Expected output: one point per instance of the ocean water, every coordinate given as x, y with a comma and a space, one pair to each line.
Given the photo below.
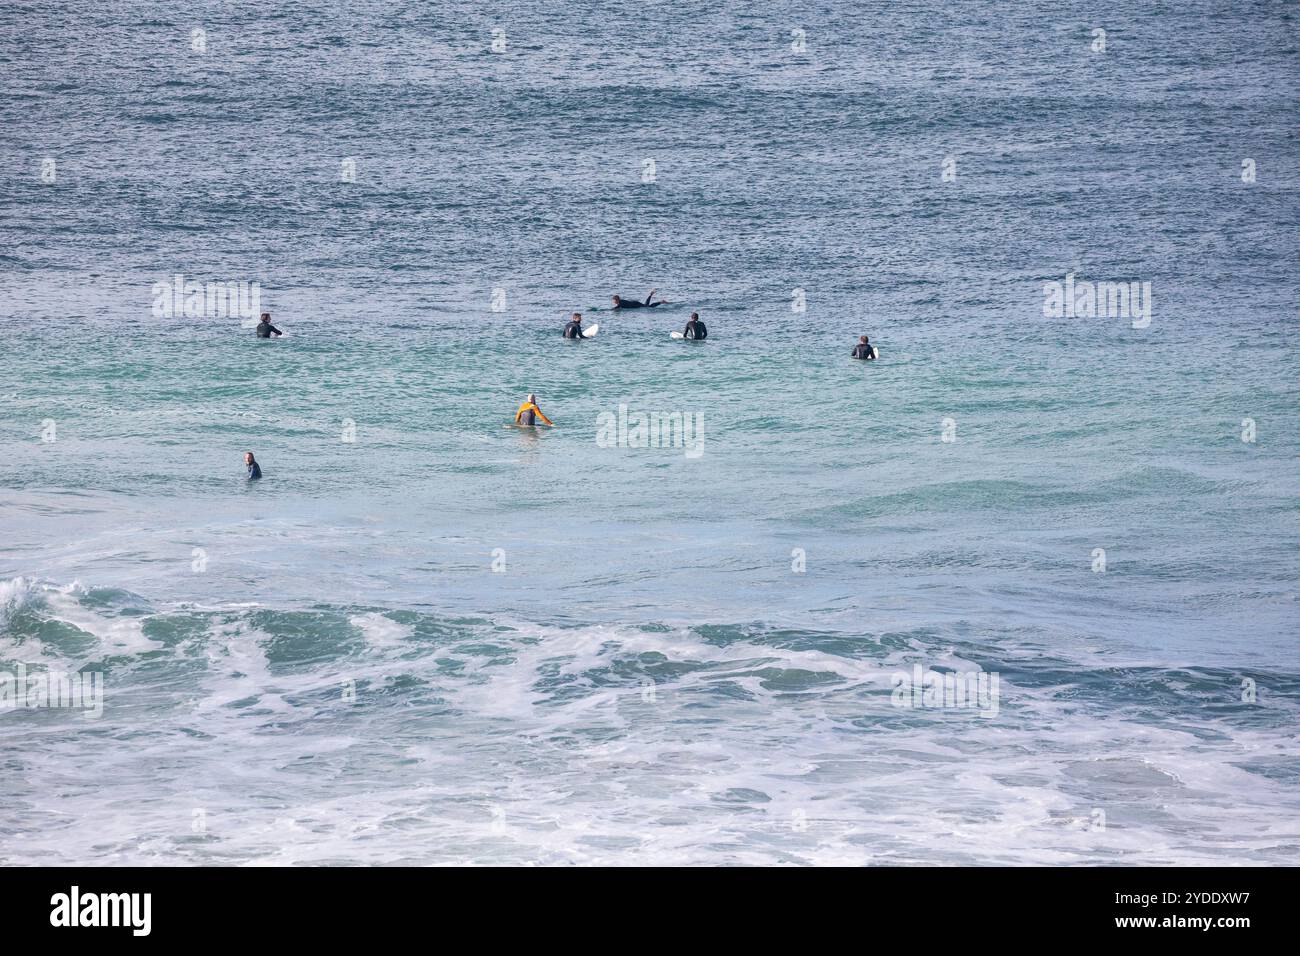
427, 638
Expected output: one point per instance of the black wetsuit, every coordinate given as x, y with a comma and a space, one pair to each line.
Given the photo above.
265, 330
696, 330
861, 351
254, 471
573, 329
634, 304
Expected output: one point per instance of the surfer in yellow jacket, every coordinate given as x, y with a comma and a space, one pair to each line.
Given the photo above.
529, 413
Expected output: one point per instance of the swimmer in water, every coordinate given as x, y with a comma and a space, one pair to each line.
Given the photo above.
265, 329
573, 328
529, 413
695, 329
254, 469
622, 303
863, 350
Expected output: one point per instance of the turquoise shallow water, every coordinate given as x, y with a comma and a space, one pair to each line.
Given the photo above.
678, 658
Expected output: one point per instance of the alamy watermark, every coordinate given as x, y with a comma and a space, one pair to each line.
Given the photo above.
947, 690
75, 908
654, 429
1090, 300
177, 298
80, 690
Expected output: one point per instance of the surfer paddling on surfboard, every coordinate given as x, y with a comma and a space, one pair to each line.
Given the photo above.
529, 413
622, 303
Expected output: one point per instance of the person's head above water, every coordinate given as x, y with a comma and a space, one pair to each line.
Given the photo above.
266, 316
618, 299
863, 340
695, 316
577, 317
532, 398
248, 458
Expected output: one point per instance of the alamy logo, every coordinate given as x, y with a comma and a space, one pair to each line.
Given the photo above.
177, 298
925, 688
653, 429
1090, 300
103, 909
82, 690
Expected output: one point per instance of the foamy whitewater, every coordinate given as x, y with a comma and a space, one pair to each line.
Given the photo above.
427, 638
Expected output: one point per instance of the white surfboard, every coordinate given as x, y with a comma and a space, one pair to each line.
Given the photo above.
875, 352
590, 331
677, 335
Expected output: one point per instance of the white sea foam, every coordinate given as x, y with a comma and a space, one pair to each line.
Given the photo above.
379, 630
14, 594
114, 634
551, 749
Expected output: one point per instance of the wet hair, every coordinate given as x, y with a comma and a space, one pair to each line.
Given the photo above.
618, 298
266, 315
249, 454
532, 398
695, 315
577, 315
863, 340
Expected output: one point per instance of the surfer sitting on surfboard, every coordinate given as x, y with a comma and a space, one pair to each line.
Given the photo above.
695, 329
573, 328
529, 413
622, 303
864, 350
265, 329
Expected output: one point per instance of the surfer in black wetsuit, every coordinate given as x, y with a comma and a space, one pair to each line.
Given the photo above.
863, 350
622, 303
573, 328
695, 329
265, 329
254, 469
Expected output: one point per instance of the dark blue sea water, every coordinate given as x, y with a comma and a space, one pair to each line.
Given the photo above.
425, 637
